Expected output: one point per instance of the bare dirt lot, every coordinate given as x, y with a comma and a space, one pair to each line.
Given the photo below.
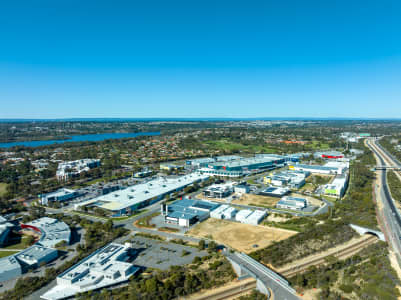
258, 200
250, 199
239, 236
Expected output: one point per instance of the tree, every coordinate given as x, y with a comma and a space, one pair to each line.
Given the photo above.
212, 246
202, 245
29, 240
108, 226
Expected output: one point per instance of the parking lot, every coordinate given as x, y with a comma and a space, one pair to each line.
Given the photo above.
162, 255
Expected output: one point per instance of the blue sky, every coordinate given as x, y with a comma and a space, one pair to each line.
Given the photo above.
69, 58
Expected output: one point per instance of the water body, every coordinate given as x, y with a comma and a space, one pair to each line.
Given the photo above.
80, 138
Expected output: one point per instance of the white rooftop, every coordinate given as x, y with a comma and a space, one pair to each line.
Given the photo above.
59, 193
34, 254
103, 268
139, 193
53, 231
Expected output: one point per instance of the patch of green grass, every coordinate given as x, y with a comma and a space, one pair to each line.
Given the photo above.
318, 145
330, 199
7, 253
3, 188
21, 245
145, 221
89, 215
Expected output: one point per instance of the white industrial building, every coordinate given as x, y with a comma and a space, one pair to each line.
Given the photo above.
242, 215
128, 200
223, 212
293, 203
255, 217
342, 166
218, 212
36, 255
105, 267
248, 216
68, 169
60, 195
328, 169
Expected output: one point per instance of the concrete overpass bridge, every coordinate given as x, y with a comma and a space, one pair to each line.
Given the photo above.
395, 168
267, 281
364, 230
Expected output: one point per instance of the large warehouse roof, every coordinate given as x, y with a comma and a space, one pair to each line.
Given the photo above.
244, 162
139, 193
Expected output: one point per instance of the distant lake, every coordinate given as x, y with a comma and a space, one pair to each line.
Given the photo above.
80, 138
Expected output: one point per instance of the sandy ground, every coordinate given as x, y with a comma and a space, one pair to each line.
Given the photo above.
310, 294
274, 218
249, 199
228, 286
240, 236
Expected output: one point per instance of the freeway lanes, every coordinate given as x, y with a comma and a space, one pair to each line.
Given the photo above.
390, 212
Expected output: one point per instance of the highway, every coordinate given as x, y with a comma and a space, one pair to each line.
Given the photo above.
390, 213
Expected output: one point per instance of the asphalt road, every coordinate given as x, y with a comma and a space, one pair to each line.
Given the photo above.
390, 212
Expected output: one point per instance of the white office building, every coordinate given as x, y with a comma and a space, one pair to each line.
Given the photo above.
105, 267
219, 190
69, 169
293, 203
60, 195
